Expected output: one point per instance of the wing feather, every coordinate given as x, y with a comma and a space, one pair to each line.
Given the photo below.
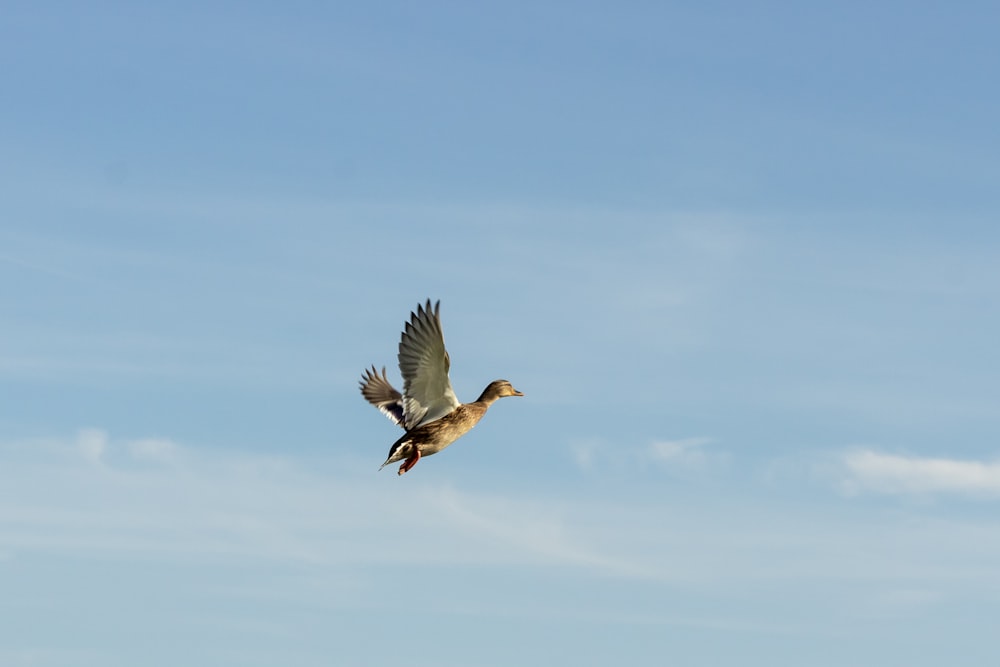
379, 392
424, 364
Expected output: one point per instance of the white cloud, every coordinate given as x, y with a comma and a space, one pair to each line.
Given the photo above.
92, 443
585, 451
589, 453
331, 533
686, 451
217, 506
688, 454
212, 504
887, 473
153, 450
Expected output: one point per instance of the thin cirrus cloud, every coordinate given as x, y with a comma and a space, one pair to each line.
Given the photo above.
872, 471
156, 497
682, 452
329, 533
687, 451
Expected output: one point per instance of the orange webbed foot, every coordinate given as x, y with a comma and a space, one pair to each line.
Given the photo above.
410, 462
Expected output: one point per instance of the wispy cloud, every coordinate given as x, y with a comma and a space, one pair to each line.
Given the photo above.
160, 499
586, 451
159, 450
687, 451
869, 470
295, 533
153, 499
692, 452
92, 444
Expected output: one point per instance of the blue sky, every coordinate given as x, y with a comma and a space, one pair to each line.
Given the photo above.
743, 261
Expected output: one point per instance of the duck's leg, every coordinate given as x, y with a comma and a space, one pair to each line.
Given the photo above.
410, 462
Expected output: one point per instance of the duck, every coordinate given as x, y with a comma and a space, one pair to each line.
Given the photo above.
427, 409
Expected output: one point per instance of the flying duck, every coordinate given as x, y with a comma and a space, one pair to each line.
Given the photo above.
428, 409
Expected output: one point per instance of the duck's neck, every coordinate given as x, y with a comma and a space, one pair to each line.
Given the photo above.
489, 396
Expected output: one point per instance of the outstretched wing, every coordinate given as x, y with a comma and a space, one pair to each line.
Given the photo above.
377, 391
424, 363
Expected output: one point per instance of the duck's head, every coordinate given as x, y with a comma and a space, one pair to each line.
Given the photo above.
498, 389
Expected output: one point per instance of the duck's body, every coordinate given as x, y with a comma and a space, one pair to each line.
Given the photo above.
434, 436
427, 409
